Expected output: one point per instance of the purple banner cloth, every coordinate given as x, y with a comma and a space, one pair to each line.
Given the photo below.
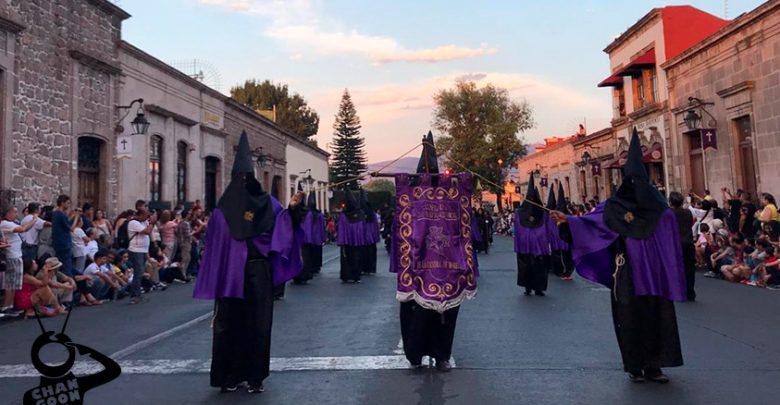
531, 241
432, 251
313, 228
222, 265
351, 233
656, 262
709, 139
556, 243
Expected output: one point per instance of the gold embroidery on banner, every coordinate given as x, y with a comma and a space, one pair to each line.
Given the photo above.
406, 279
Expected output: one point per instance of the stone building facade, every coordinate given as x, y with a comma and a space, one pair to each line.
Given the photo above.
598, 174
555, 163
64, 71
59, 82
735, 75
305, 159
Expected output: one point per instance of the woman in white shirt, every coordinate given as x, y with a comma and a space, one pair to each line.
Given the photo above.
703, 215
80, 241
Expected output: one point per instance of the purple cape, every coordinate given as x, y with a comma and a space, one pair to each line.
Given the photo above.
656, 262
222, 265
556, 243
432, 251
313, 228
351, 233
531, 241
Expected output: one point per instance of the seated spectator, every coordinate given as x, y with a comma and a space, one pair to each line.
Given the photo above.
61, 285
102, 285
724, 255
91, 246
703, 244
734, 272
768, 272
755, 259
35, 295
105, 241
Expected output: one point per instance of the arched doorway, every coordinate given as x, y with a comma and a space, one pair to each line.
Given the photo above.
212, 177
89, 165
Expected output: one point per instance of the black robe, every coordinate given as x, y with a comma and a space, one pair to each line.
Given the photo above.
426, 332
352, 258
532, 271
307, 273
645, 326
561, 263
369, 259
242, 327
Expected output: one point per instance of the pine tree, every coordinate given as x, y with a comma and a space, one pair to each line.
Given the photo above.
349, 158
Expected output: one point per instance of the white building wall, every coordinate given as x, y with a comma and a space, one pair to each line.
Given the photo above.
300, 158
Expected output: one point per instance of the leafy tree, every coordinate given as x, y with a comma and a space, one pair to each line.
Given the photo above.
381, 185
292, 111
481, 127
349, 158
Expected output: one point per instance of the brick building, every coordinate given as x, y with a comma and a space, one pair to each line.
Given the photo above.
64, 70
59, 82
734, 75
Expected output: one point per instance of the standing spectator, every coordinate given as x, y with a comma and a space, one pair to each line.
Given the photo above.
685, 228
12, 280
747, 213
79, 240
184, 243
91, 247
123, 217
45, 236
768, 212
703, 215
61, 240
30, 238
87, 215
101, 224
139, 230
198, 230
167, 228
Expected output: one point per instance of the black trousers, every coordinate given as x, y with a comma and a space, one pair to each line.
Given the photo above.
532, 272
351, 262
426, 332
689, 263
242, 330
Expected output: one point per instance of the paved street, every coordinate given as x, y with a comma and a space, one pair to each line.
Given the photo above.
338, 344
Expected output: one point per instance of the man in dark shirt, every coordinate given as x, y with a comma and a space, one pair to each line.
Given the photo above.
685, 226
87, 216
61, 240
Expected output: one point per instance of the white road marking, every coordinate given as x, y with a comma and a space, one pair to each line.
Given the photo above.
200, 366
158, 337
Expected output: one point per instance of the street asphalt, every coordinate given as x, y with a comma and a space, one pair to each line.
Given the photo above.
338, 343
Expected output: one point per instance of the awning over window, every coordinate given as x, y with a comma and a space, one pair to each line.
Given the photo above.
612, 81
645, 60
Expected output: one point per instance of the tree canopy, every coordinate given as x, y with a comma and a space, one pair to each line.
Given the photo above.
481, 127
292, 111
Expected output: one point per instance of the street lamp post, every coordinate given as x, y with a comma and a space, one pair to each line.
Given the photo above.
140, 124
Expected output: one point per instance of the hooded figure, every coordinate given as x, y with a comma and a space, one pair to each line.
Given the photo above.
372, 234
428, 322
252, 244
561, 263
313, 239
352, 239
532, 245
631, 244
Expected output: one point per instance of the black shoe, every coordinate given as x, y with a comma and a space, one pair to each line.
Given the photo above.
539, 293
656, 375
228, 388
255, 389
443, 366
636, 377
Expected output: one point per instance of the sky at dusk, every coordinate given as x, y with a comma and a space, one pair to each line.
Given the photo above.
394, 55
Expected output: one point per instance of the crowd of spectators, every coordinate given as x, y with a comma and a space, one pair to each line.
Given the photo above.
55, 257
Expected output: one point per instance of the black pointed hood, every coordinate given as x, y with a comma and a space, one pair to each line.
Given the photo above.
246, 207
366, 207
551, 200
530, 214
428, 163
352, 208
561, 206
636, 208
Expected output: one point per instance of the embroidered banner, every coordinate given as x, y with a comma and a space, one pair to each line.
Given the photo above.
432, 251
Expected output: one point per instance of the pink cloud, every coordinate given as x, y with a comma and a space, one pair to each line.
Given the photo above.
432, 55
